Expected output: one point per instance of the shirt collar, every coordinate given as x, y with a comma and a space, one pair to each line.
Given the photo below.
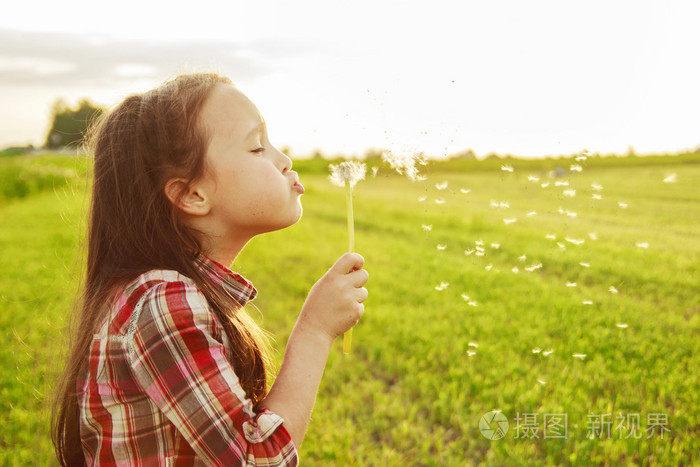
235, 284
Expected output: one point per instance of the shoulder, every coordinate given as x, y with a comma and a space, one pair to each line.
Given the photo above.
169, 303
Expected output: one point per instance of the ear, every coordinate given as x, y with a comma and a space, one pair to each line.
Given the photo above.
188, 198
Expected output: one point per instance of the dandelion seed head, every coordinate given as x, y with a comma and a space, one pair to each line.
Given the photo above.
347, 172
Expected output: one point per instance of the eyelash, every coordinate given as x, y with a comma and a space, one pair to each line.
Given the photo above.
258, 150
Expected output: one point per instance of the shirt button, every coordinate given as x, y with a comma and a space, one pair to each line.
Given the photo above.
250, 429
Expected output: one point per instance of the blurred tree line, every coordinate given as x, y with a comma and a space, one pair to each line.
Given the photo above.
69, 125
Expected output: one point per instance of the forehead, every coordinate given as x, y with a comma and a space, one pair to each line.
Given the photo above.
228, 111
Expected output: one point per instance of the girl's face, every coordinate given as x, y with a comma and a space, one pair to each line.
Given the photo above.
250, 184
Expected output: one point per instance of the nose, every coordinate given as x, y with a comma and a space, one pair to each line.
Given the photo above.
285, 162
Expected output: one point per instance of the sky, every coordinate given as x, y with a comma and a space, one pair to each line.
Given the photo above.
527, 78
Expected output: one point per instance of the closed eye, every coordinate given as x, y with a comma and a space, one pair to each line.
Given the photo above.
258, 150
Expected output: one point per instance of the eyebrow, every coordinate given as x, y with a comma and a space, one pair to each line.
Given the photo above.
258, 129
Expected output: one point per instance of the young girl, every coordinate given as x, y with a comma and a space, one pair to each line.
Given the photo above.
167, 368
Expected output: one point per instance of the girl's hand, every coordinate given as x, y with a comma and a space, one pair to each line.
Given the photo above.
334, 304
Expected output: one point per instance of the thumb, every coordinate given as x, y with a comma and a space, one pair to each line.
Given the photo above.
348, 263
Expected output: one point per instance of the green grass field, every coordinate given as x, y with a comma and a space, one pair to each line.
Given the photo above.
426, 363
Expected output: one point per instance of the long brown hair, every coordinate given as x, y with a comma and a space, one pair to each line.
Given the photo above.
133, 228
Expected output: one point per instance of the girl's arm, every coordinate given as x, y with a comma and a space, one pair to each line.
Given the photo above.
333, 306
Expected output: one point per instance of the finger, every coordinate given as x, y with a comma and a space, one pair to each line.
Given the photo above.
358, 278
349, 262
362, 294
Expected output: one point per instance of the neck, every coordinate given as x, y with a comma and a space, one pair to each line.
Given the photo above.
225, 252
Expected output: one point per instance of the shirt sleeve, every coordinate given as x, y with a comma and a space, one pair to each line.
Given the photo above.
177, 355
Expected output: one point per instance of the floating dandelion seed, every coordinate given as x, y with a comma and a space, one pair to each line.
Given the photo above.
522, 258
561, 245
515, 270
532, 213
588, 302
479, 242
493, 204
612, 290
470, 353
347, 174
533, 267
596, 186
442, 286
580, 158
622, 325
622, 204
489, 267
441, 186
404, 162
536, 350
374, 171
471, 303
465, 191
585, 265
511, 220
570, 193
550, 237
507, 168
473, 344
533, 178
579, 355
542, 382
422, 198
441, 247
440, 201
670, 178
575, 241
642, 244
427, 228
468, 252
593, 236
480, 253
571, 284
495, 246
466, 297
546, 353
561, 183
545, 185
421, 178
570, 213
560, 210
504, 204
597, 196
575, 168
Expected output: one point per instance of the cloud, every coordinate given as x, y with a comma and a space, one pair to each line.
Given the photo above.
65, 59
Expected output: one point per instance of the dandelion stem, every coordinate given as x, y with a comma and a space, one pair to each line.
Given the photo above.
347, 337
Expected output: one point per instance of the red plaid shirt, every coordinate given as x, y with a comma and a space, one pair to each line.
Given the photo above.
159, 389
